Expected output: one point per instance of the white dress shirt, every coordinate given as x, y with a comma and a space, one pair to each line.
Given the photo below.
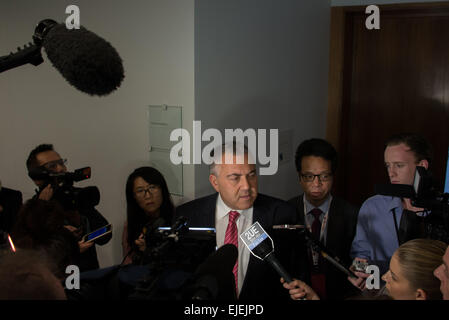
243, 222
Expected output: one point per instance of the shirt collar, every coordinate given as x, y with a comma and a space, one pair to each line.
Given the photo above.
223, 209
324, 206
394, 203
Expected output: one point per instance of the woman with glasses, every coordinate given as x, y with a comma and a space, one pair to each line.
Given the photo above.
149, 205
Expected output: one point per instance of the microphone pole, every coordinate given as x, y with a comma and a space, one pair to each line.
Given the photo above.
30, 53
326, 255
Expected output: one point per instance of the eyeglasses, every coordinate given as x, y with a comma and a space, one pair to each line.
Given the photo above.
323, 177
52, 165
142, 192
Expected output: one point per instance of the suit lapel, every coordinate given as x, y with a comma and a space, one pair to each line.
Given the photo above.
334, 227
208, 213
300, 209
260, 212
260, 216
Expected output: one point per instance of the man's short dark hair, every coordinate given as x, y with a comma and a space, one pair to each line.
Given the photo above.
32, 160
318, 148
417, 144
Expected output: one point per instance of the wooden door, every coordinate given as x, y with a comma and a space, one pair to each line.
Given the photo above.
393, 80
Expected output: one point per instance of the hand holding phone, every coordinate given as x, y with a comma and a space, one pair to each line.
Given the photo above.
75, 231
359, 266
84, 245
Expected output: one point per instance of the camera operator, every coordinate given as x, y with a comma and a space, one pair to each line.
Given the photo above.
385, 222
80, 220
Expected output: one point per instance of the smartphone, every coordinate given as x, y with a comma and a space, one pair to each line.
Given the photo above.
94, 235
360, 266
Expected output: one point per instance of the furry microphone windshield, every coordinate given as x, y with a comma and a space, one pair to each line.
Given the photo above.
85, 60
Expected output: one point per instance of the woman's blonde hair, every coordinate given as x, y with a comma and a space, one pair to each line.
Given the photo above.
418, 259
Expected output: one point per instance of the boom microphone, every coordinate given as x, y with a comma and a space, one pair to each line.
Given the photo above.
85, 60
261, 246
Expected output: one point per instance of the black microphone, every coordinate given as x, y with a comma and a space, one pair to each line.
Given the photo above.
318, 246
215, 279
149, 232
85, 60
261, 246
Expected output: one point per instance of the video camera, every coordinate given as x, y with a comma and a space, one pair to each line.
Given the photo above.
178, 245
64, 191
172, 255
425, 194
433, 222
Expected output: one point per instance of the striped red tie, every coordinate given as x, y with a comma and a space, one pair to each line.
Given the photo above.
231, 236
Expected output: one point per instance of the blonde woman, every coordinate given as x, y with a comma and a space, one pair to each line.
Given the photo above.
410, 277
411, 270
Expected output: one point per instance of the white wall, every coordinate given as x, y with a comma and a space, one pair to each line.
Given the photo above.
110, 134
262, 64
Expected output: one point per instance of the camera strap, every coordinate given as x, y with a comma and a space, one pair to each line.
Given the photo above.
396, 225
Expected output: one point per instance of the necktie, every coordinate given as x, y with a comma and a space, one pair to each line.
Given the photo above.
231, 236
318, 279
316, 225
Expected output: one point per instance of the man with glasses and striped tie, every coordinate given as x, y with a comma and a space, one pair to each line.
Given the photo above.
233, 209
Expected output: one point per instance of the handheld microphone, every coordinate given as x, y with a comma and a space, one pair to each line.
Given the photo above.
149, 232
178, 228
261, 246
85, 60
215, 279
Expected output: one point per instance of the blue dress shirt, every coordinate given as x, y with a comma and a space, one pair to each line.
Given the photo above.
376, 238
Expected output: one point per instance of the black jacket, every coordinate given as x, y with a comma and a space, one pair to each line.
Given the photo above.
92, 220
11, 202
340, 233
261, 281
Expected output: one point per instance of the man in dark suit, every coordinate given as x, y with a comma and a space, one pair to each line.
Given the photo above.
232, 210
330, 220
10, 204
